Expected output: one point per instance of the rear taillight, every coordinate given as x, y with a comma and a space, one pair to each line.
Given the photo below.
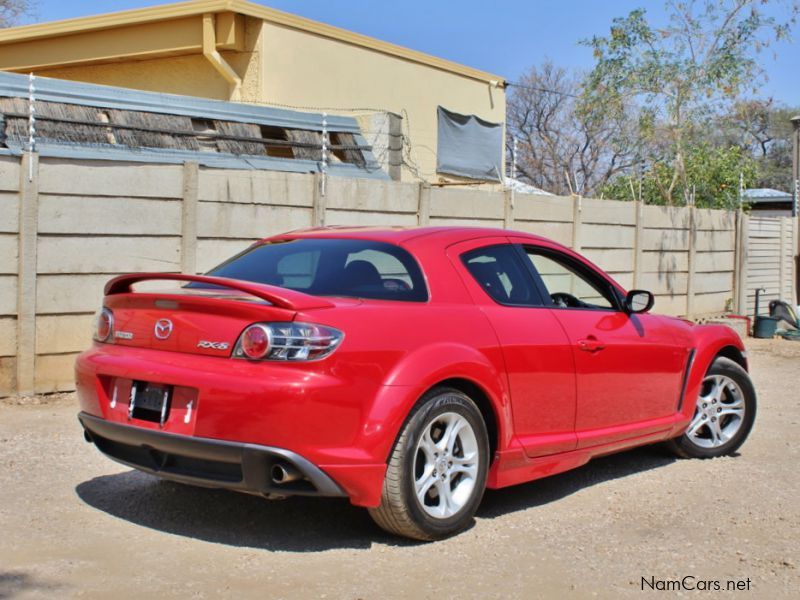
287, 342
104, 325
255, 342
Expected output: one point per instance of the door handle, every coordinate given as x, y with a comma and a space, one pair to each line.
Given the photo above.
591, 344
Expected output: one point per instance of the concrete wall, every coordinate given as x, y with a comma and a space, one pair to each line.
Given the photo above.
76, 224
9, 243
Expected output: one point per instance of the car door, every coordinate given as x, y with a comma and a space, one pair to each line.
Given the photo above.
536, 351
629, 367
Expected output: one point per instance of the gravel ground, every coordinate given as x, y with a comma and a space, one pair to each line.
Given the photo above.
74, 524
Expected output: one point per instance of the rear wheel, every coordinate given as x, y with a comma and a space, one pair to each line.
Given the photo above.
724, 413
437, 471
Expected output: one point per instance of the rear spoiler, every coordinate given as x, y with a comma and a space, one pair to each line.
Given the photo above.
277, 296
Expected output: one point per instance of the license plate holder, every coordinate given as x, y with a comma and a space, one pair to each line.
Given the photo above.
150, 402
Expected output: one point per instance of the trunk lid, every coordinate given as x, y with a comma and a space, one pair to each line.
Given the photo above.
206, 321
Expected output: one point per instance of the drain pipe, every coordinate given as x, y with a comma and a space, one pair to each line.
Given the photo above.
215, 58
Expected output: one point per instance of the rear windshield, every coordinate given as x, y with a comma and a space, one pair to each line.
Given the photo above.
330, 267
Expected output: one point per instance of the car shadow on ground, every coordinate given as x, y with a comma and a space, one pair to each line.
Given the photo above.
314, 524
15, 583
497, 503
297, 524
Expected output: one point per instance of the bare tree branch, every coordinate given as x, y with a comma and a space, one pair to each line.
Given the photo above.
12, 10
554, 136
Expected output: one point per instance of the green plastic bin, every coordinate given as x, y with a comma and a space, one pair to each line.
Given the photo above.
765, 327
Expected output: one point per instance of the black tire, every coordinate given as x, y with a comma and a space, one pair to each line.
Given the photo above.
400, 511
685, 446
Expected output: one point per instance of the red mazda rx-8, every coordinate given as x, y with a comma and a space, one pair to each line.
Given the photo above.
407, 369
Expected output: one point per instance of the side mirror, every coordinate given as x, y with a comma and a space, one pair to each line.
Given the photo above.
639, 301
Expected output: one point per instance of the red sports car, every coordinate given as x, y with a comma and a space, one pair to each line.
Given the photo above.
405, 369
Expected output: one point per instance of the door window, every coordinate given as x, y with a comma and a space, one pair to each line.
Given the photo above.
569, 285
502, 275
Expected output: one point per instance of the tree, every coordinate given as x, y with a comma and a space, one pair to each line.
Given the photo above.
764, 129
714, 173
680, 75
11, 10
555, 142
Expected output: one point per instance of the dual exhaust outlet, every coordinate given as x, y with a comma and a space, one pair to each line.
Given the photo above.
284, 473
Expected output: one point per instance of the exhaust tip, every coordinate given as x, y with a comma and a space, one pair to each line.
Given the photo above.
277, 474
284, 473
87, 436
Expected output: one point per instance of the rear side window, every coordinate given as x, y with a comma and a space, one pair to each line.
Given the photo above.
331, 267
499, 271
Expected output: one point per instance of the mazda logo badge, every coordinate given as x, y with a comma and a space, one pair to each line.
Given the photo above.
163, 329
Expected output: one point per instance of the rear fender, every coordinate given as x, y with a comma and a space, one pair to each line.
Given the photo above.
425, 368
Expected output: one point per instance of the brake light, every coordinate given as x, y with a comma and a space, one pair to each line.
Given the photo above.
104, 325
287, 342
255, 342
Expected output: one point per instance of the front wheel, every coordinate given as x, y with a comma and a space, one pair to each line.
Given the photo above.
724, 413
436, 473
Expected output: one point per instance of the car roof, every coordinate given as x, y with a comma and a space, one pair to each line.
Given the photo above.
399, 235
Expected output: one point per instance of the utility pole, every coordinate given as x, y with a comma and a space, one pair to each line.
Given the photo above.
796, 199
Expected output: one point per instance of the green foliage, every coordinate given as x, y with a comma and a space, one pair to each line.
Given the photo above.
682, 76
713, 173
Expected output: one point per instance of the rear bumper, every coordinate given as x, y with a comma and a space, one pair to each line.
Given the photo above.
338, 420
206, 462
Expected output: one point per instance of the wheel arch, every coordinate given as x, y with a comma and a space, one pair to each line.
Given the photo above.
732, 353
683, 445
480, 375
711, 342
482, 401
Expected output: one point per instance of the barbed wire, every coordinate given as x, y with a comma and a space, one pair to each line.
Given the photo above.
317, 108
408, 146
534, 88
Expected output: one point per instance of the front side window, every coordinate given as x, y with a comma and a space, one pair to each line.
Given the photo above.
567, 284
330, 267
499, 271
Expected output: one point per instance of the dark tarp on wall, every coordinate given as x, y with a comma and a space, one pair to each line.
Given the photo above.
469, 146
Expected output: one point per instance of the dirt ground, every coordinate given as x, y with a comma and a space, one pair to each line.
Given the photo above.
75, 524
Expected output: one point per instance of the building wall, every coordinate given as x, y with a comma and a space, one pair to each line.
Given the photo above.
186, 75
307, 70
281, 65
189, 75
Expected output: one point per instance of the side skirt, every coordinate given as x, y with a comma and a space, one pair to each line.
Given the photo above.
512, 466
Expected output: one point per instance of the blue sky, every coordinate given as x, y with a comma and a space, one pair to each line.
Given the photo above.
503, 37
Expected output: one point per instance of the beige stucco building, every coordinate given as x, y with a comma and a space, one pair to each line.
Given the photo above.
240, 51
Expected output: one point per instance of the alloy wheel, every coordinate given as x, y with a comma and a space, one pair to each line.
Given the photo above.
446, 465
719, 413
